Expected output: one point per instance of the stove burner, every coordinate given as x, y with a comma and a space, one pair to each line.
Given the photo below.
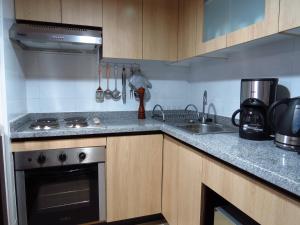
76, 122
45, 124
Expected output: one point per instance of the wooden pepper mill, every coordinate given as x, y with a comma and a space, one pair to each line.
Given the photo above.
141, 113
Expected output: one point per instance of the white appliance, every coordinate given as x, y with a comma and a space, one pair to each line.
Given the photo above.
222, 217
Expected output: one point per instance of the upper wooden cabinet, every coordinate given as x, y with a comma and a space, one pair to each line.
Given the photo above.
182, 176
267, 25
38, 10
160, 29
289, 14
134, 176
122, 29
167, 30
187, 28
82, 12
225, 23
77, 12
204, 46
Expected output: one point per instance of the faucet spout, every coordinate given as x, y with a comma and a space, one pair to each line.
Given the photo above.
203, 118
160, 110
195, 108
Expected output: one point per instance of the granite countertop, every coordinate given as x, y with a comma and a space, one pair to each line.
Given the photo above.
260, 158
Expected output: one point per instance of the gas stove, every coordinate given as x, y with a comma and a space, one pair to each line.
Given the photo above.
45, 124
76, 122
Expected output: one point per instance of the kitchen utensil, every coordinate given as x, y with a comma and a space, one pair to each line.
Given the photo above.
131, 88
116, 95
141, 113
99, 91
287, 128
131, 93
138, 80
124, 85
107, 93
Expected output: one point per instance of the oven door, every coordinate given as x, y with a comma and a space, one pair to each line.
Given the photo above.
60, 195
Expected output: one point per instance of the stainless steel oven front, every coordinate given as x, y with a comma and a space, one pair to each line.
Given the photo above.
61, 186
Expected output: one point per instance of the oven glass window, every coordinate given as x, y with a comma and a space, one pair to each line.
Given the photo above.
61, 196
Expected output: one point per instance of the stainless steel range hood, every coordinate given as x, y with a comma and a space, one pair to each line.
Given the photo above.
56, 38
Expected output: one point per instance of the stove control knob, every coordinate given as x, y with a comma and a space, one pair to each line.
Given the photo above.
62, 157
82, 156
41, 159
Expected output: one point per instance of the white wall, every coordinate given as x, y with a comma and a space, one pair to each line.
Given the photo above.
221, 77
13, 98
66, 83
14, 75
2, 71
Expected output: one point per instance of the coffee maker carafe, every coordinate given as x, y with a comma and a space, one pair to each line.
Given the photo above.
256, 97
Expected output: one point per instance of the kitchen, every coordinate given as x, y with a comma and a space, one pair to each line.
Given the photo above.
98, 162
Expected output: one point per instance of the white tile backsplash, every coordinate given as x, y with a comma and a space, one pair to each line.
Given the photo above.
221, 77
66, 82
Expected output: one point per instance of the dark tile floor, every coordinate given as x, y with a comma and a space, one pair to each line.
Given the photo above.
154, 223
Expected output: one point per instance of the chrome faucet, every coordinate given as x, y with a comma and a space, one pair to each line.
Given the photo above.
161, 110
203, 118
195, 107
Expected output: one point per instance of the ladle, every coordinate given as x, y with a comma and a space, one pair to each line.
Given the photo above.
116, 94
107, 92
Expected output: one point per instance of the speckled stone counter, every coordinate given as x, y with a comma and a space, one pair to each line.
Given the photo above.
262, 159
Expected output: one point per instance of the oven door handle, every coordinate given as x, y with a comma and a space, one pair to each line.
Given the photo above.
62, 172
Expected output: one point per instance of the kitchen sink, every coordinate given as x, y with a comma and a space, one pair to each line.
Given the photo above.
206, 128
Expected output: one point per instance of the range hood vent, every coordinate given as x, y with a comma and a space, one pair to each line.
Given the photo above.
56, 38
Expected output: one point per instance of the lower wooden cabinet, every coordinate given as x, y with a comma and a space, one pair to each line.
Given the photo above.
134, 176
181, 196
170, 180
261, 203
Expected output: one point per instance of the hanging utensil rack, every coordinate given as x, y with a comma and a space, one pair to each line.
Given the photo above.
120, 66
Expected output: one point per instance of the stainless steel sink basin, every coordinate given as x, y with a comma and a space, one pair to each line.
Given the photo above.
207, 128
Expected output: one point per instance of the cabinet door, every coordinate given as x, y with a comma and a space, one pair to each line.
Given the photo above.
289, 14
266, 25
170, 181
182, 182
122, 29
82, 12
263, 204
189, 186
203, 44
38, 10
187, 29
134, 176
160, 29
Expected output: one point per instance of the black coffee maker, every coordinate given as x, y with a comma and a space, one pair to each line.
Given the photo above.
256, 97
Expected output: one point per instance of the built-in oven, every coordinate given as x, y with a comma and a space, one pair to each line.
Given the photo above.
61, 187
